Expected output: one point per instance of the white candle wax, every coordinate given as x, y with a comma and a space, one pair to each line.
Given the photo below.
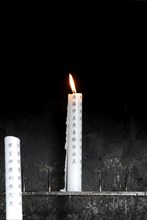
74, 142
13, 178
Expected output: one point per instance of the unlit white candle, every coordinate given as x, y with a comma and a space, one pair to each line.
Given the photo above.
74, 143
13, 178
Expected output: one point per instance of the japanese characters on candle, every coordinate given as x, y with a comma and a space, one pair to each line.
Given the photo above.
13, 178
73, 146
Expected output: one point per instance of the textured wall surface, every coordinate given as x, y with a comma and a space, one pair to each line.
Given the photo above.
82, 208
114, 159
114, 155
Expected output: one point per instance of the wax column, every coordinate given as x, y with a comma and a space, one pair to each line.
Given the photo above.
13, 178
74, 142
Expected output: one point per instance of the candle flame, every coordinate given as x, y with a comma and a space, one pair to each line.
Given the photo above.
72, 84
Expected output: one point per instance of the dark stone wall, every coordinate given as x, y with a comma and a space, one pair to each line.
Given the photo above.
114, 159
82, 207
114, 154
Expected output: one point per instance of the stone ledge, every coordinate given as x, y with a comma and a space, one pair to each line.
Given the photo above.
84, 193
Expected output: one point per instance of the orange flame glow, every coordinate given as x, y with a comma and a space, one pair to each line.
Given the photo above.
72, 84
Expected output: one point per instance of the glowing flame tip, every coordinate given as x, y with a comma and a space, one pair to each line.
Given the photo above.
72, 84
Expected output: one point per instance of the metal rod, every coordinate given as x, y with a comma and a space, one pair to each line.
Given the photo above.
84, 193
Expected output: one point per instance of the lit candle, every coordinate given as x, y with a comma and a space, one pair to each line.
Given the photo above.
73, 146
13, 178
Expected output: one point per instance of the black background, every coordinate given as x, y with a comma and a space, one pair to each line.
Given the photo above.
101, 43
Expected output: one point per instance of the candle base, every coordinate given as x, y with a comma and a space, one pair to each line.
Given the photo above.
63, 190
